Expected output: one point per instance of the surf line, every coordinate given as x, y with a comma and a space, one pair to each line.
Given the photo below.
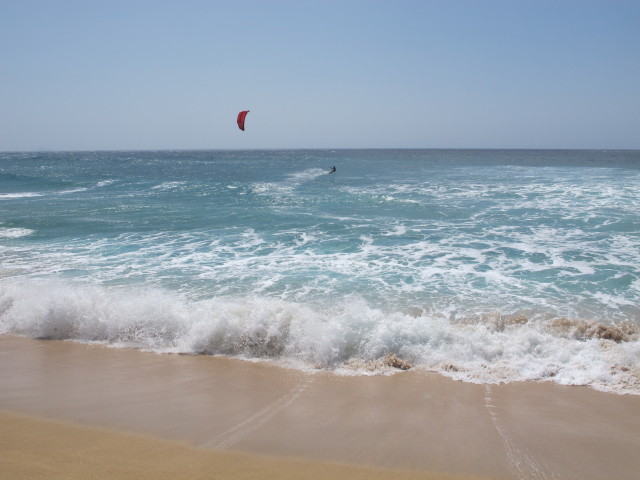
237, 432
525, 466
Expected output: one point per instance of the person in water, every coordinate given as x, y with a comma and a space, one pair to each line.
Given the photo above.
332, 170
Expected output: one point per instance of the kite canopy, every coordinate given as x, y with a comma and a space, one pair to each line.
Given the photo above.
241, 117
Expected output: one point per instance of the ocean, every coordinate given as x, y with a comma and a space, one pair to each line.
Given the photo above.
486, 266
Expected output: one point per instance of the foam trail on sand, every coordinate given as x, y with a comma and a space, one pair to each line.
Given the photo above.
523, 464
235, 433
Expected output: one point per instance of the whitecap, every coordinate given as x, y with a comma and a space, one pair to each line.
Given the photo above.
398, 230
73, 190
168, 185
20, 195
104, 183
15, 232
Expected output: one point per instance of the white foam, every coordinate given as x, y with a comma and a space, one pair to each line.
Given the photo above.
169, 185
304, 265
398, 231
19, 195
306, 175
73, 190
104, 183
15, 232
487, 349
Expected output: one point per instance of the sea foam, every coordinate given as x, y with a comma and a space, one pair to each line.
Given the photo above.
348, 337
15, 232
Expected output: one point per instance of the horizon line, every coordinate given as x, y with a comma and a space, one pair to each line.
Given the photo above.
43, 150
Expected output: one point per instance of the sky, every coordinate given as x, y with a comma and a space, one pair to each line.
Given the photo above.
137, 74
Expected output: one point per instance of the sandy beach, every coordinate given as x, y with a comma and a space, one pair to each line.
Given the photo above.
37, 449
72, 410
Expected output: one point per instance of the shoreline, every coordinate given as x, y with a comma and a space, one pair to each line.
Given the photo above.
409, 423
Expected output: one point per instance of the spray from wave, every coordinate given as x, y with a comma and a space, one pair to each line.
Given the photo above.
306, 175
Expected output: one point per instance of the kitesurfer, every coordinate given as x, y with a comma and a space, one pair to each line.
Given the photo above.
332, 170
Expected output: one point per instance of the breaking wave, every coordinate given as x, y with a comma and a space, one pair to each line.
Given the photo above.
347, 337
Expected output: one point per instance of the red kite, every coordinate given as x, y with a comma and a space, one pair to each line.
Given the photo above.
241, 117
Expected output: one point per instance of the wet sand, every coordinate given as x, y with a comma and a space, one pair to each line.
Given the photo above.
120, 413
32, 448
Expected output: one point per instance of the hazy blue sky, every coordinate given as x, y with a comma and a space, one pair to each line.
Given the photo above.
78, 75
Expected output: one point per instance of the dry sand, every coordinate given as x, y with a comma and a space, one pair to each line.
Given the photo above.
205, 417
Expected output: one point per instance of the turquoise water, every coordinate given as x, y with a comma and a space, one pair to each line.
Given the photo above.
483, 265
